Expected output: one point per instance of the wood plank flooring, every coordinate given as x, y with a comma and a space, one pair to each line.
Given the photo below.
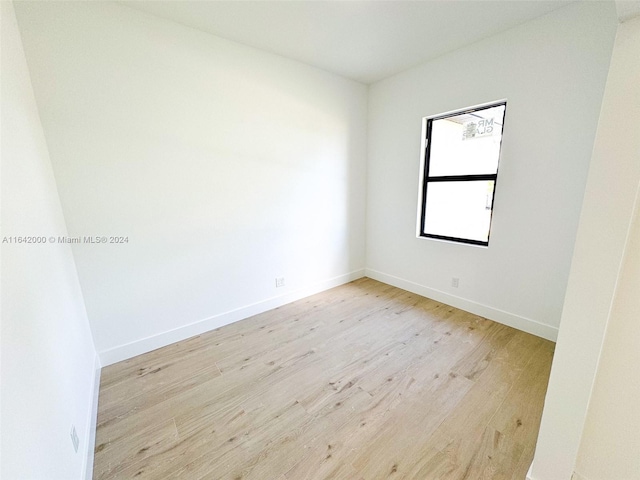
361, 382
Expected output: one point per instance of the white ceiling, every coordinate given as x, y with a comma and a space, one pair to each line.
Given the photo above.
362, 40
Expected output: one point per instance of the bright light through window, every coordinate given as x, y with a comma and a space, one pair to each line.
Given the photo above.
460, 170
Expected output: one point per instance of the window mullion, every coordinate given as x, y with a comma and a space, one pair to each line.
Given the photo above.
463, 178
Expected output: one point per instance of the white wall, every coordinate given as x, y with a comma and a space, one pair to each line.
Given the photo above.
225, 166
602, 289
48, 359
552, 72
610, 446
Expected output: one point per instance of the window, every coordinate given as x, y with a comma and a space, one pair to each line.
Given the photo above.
459, 173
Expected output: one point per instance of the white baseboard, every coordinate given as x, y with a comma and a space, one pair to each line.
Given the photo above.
144, 345
512, 320
90, 434
577, 476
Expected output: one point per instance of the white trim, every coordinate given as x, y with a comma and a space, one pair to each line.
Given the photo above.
511, 319
465, 109
144, 345
577, 476
90, 431
423, 153
529, 477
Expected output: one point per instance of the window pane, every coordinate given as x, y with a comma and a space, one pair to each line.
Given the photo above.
466, 144
459, 209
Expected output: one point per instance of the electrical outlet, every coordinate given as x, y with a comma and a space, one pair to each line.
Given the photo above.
455, 281
74, 438
279, 282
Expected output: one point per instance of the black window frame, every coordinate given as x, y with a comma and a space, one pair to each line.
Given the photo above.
426, 179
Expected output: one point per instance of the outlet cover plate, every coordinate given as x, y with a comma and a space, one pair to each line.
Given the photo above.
74, 438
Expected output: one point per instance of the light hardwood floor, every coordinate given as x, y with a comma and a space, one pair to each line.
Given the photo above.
364, 381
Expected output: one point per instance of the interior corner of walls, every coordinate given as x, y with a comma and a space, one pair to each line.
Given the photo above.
513, 320
147, 344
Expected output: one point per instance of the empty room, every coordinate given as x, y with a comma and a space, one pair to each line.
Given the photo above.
296, 240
